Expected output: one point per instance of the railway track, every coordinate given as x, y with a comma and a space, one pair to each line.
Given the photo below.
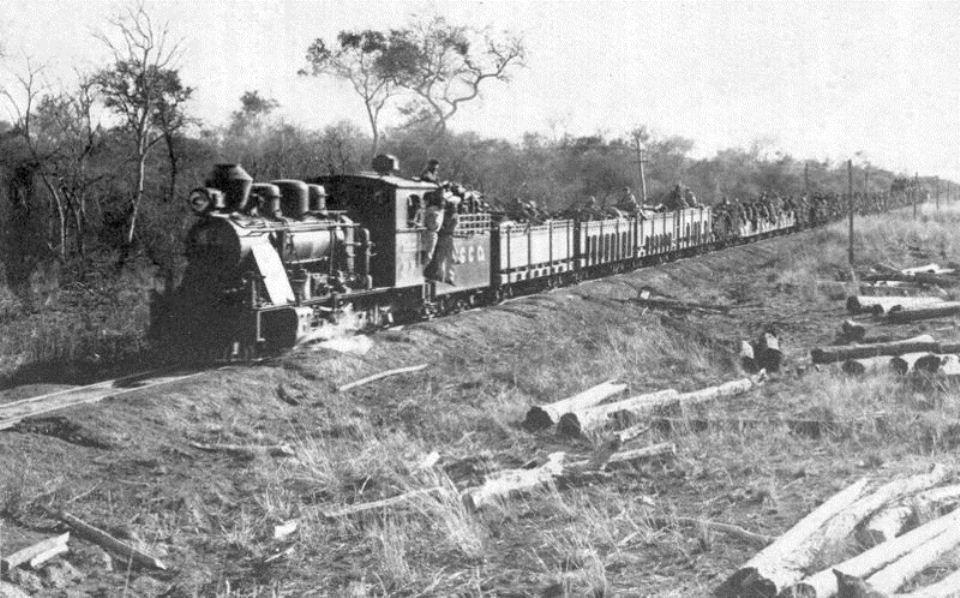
14, 412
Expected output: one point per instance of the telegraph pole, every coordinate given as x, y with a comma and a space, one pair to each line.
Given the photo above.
916, 192
850, 208
643, 179
938, 194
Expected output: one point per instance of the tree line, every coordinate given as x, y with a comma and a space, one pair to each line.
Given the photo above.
92, 175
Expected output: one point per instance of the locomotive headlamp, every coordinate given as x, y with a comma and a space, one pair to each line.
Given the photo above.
204, 199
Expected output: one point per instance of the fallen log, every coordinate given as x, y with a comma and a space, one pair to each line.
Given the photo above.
823, 584
726, 528
948, 587
890, 521
747, 359
879, 305
781, 563
502, 484
247, 450
35, 553
844, 522
505, 482
944, 310
902, 364
381, 375
680, 305
627, 434
919, 278
577, 423
899, 572
927, 269
379, 504
108, 542
836, 353
769, 356
544, 416
669, 401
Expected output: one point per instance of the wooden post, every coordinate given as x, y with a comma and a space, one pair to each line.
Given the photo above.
643, 179
916, 192
850, 209
806, 178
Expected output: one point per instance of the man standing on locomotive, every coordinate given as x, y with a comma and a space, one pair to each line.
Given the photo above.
431, 174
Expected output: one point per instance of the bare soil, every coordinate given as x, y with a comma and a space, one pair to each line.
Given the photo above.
128, 465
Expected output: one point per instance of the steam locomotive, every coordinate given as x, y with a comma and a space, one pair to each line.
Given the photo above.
271, 265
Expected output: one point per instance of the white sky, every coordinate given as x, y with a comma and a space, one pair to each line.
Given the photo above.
817, 79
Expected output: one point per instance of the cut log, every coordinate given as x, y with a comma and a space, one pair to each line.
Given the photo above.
747, 359
769, 356
577, 423
879, 305
726, 528
627, 434
105, 540
823, 584
53, 552
868, 365
381, 375
247, 450
781, 564
836, 353
945, 310
852, 331
661, 401
927, 269
661, 450
902, 364
890, 521
720, 391
544, 416
920, 278
843, 523
379, 504
948, 587
930, 363
502, 484
899, 572
28, 554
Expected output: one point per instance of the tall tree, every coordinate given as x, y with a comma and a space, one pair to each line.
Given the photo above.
444, 65
359, 58
143, 87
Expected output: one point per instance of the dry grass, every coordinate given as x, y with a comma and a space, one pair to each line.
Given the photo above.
213, 515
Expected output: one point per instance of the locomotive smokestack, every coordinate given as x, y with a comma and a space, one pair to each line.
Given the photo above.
235, 183
385, 164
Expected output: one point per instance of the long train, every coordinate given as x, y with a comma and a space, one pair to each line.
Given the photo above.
270, 265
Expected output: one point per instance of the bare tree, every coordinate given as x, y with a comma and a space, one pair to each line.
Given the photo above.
143, 87
444, 65
359, 59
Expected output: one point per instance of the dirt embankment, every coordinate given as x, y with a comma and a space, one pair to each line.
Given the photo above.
134, 466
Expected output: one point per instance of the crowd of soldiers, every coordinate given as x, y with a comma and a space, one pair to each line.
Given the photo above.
728, 214
807, 210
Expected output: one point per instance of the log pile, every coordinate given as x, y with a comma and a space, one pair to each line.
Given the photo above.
885, 511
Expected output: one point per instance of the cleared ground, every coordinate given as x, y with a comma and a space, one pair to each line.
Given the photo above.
129, 466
